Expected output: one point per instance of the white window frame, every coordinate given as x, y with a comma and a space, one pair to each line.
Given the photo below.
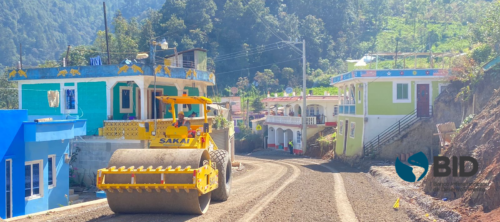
359, 94
54, 171
440, 86
11, 189
352, 134
131, 107
63, 100
40, 174
395, 92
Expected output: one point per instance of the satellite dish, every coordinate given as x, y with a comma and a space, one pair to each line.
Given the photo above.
234, 90
289, 90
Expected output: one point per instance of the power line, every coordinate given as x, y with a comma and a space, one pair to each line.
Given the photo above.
257, 66
244, 55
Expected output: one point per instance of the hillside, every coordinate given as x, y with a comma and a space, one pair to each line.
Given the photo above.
242, 36
46, 27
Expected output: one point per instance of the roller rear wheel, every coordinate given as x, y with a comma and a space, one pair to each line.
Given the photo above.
223, 164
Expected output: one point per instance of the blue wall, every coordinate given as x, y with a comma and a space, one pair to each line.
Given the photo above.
51, 197
12, 147
27, 141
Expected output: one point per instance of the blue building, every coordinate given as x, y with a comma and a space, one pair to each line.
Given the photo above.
34, 169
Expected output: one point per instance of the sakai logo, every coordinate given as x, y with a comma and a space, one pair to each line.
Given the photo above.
406, 172
174, 141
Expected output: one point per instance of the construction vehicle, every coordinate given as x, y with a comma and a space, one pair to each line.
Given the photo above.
181, 172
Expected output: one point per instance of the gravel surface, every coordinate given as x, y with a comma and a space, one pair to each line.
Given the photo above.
273, 186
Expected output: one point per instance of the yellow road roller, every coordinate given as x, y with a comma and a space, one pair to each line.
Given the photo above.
181, 172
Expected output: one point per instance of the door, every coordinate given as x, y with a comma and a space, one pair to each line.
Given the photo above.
153, 101
138, 104
345, 135
8, 188
423, 105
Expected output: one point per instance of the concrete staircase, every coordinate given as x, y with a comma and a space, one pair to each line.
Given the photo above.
74, 198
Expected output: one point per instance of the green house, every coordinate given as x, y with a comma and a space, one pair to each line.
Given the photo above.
375, 105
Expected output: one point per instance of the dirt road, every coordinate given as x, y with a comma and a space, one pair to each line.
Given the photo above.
276, 186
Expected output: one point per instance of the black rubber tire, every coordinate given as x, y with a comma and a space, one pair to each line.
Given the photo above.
223, 164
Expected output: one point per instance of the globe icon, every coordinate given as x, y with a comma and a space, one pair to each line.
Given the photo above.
406, 172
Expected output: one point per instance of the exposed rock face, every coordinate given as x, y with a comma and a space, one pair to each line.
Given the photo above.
481, 140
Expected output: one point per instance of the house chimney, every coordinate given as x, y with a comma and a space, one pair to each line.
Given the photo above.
293, 94
268, 94
326, 93
275, 94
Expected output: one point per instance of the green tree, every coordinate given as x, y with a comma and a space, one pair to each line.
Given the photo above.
257, 105
8, 93
266, 79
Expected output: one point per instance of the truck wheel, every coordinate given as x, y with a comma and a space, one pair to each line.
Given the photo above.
223, 164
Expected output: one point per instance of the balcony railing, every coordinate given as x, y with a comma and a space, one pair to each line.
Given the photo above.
347, 109
296, 120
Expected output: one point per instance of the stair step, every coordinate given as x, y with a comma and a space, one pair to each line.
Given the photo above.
71, 191
77, 201
74, 197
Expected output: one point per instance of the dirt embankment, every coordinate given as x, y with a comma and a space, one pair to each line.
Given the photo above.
479, 139
322, 144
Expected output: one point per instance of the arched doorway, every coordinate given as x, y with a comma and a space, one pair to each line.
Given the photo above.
279, 138
271, 138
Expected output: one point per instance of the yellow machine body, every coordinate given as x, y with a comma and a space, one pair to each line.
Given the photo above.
205, 178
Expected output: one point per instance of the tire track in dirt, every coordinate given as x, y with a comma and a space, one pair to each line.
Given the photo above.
259, 206
344, 207
246, 189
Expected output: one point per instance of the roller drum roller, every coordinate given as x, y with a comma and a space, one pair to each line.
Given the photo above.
180, 202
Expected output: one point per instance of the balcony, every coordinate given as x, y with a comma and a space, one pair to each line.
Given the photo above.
296, 120
347, 109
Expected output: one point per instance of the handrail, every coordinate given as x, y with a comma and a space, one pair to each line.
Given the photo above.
393, 131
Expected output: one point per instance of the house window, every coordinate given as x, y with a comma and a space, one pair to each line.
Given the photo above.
341, 127
299, 137
8, 188
126, 99
352, 130
70, 100
442, 87
335, 110
311, 111
33, 182
401, 93
52, 171
359, 95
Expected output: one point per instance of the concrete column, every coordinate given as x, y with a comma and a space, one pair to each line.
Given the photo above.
285, 140
143, 87
180, 90
110, 84
201, 91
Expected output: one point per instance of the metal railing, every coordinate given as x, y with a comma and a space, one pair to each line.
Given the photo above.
347, 109
393, 131
296, 120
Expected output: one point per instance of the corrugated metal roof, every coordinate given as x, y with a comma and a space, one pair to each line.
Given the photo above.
296, 98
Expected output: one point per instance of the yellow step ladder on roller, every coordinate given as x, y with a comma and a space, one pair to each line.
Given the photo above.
396, 205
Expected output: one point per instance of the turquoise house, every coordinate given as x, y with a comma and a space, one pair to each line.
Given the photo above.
112, 92
34, 169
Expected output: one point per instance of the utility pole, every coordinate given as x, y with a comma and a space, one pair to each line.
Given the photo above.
304, 95
106, 27
67, 55
21, 55
304, 105
396, 58
248, 116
